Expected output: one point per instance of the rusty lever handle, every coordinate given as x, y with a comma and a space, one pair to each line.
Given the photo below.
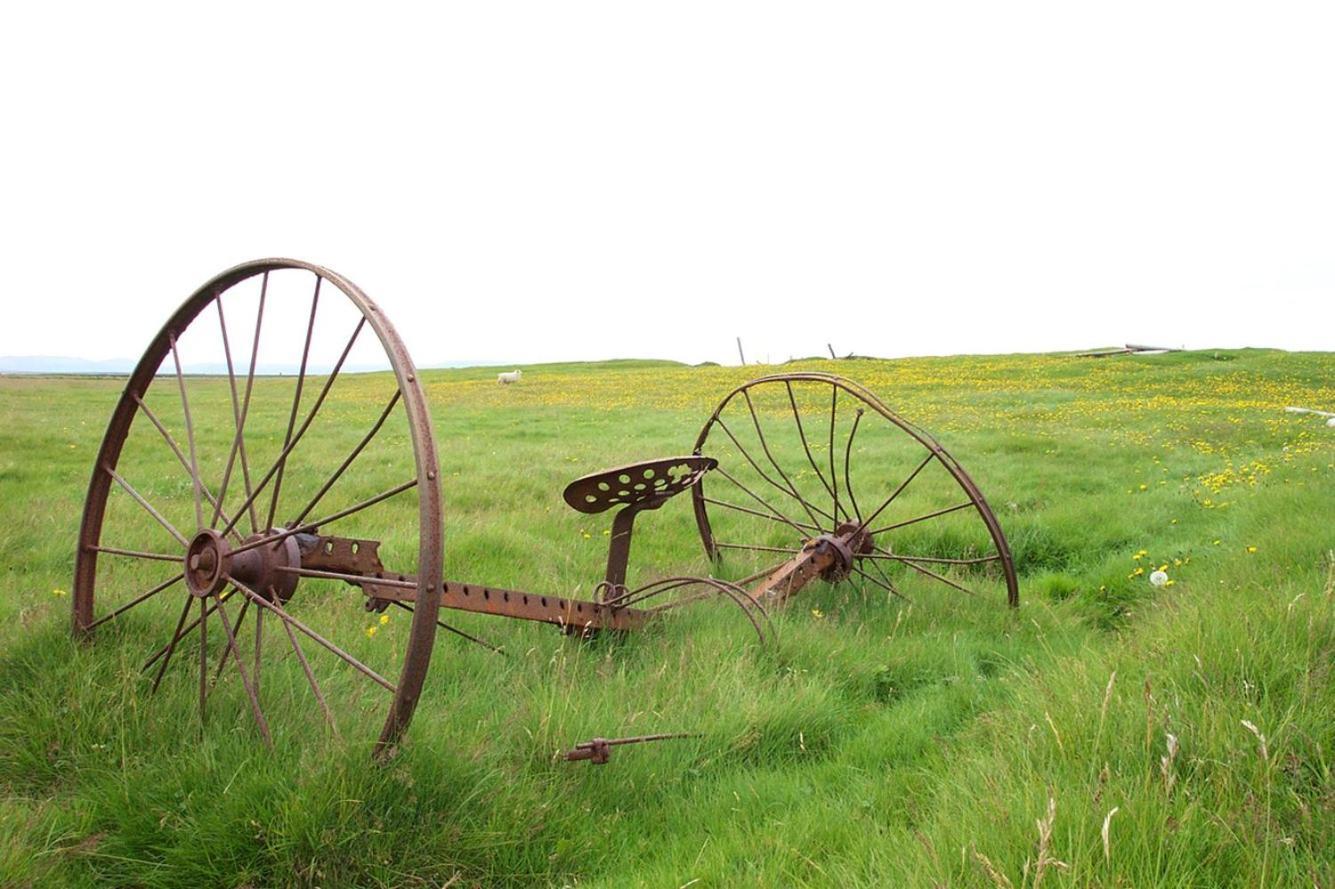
599, 750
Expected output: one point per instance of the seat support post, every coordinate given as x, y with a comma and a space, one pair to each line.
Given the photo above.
618, 548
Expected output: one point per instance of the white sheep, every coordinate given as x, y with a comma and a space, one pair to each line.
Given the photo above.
508, 378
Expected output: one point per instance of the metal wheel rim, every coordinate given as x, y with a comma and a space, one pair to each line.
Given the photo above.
430, 515
928, 442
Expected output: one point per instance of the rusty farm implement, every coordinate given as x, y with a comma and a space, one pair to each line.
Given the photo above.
325, 515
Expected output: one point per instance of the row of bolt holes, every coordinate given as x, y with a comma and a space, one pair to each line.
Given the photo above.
505, 596
659, 484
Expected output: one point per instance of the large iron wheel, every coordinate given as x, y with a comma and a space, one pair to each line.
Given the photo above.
808, 454
207, 484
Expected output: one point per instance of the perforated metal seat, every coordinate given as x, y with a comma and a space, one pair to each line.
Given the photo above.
636, 483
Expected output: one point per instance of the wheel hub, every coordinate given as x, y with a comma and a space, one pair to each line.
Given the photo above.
851, 540
211, 564
206, 564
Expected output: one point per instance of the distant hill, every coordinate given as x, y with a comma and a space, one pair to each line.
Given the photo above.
57, 364
61, 364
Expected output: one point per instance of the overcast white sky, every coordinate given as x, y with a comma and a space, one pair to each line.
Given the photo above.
517, 182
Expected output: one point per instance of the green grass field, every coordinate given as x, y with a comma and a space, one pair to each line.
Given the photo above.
1108, 733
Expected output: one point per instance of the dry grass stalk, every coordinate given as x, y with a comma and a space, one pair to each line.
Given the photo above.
1104, 775
1056, 734
1149, 713
1107, 839
1107, 696
1045, 859
1330, 575
1166, 763
1264, 750
999, 880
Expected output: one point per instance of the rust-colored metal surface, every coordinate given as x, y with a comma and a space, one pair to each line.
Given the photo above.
636, 483
823, 523
199, 309
599, 750
259, 540
357, 562
636, 487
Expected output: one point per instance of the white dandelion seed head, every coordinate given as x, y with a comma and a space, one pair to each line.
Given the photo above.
1159, 578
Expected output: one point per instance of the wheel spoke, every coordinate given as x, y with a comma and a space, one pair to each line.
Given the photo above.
322, 641
885, 585
922, 518
759, 574
797, 417
245, 677
296, 403
355, 579
310, 677
189, 432
310, 417
176, 449
882, 555
848, 455
783, 521
180, 634
171, 646
946, 580
455, 630
759, 549
834, 479
891, 499
138, 498
133, 553
203, 663
238, 441
319, 495
239, 444
329, 519
259, 644
764, 445
240, 619
799, 526
880, 572
754, 465
140, 598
